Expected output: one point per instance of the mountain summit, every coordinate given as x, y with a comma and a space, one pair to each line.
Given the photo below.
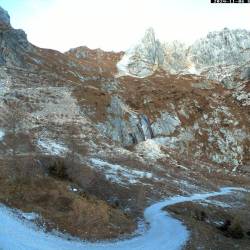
227, 48
144, 58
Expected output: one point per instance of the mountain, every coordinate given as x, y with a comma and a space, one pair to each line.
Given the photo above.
89, 138
144, 58
227, 49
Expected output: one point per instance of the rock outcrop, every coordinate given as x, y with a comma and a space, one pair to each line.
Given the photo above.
222, 48
131, 110
14, 45
219, 56
143, 59
4, 19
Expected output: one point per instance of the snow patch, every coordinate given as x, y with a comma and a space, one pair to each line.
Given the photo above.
192, 70
216, 203
123, 64
52, 147
4, 87
29, 216
120, 174
2, 134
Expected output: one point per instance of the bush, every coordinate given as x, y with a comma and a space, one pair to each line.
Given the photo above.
225, 226
200, 215
233, 230
58, 169
236, 231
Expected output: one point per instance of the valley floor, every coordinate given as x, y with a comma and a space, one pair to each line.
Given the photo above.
165, 232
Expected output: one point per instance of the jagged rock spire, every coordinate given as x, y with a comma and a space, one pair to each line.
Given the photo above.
4, 19
144, 58
225, 48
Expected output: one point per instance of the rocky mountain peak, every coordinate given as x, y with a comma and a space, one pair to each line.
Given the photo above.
81, 52
152, 47
4, 19
149, 37
144, 58
225, 48
14, 44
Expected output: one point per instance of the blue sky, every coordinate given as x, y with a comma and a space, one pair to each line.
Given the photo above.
117, 24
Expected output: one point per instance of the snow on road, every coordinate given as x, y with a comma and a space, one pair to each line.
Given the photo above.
164, 233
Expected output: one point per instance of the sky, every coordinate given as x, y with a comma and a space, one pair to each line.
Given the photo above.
118, 24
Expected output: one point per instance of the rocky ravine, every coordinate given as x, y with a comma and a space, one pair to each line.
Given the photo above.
116, 131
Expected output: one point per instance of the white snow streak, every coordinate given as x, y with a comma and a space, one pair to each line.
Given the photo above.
52, 147
2, 134
120, 174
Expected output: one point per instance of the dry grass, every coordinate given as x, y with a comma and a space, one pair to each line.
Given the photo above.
206, 233
77, 213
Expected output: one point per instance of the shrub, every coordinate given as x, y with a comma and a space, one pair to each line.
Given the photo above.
58, 169
232, 229
200, 215
225, 226
236, 231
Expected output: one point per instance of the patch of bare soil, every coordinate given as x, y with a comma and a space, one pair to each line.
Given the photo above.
60, 206
223, 223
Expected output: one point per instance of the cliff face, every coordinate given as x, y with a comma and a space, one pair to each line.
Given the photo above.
221, 55
194, 116
198, 117
144, 58
14, 46
225, 47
